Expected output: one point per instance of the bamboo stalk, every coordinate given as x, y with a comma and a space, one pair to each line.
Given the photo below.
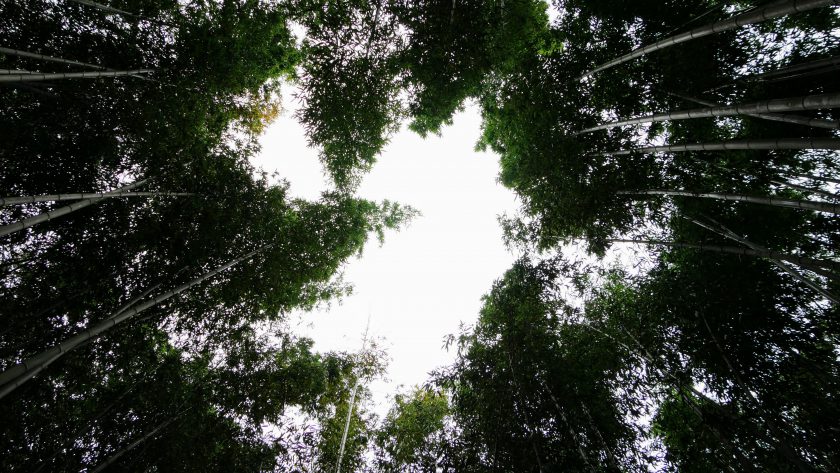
74, 341
786, 143
800, 260
350, 407
775, 117
810, 102
818, 206
102, 7
46, 216
137, 442
4, 201
727, 233
803, 69
771, 11
44, 57
38, 76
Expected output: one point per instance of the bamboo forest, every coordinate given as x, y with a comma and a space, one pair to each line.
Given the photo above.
672, 305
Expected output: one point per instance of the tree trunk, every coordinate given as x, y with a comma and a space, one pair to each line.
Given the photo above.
15, 383
810, 102
46, 216
38, 76
43, 57
134, 444
787, 143
790, 185
642, 352
775, 117
799, 260
84, 427
774, 10
779, 182
38, 361
726, 233
14, 71
346, 428
792, 456
817, 178
104, 8
572, 433
4, 201
610, 457
817, 206
350, 408
818, 66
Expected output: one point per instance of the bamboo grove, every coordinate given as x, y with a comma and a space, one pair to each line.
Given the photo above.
673, 308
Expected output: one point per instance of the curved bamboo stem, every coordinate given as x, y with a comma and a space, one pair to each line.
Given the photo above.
137, 442
104, 8
46, 216
37, 362
810, 102
785, 143
818, 206
44, 57
774, 10
39, 76
775, 117
800, 260
4, 201
727, 233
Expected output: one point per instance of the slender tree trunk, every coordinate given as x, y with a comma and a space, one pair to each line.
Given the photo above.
350, 408
833, 61
572, 433
699, 413
610, 457
44, 57
528, 423
790, 185
87, 425
791, 455
779, 182
104, 8
810, 102
642, 352
726, 233
775, 117
4, 201
771, 11
818, 66
134, 444
799, 260
71, 343
817, 178
346, 428
817, 206
46, 216
786, 143
38, 76
17, 382
14, 71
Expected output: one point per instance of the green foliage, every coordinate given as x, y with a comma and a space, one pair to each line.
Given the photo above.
410, 433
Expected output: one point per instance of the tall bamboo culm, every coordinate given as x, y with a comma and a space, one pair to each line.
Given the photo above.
774, 10
48, 356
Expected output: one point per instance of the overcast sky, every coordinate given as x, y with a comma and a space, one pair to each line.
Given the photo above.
425, 279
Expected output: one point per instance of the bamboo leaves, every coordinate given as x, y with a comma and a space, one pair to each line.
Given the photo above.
773, 10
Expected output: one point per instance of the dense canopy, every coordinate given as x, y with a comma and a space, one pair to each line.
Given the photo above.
674, 305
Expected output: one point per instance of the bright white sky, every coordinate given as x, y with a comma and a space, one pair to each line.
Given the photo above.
427, 278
